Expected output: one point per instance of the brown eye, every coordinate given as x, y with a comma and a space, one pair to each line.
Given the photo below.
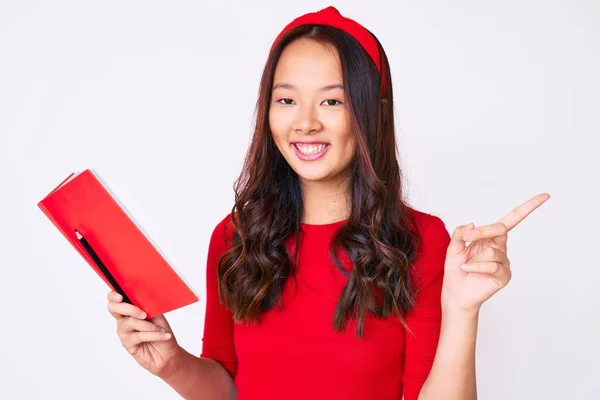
332, 102
286, 101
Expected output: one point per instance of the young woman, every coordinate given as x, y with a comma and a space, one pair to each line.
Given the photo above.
323, 283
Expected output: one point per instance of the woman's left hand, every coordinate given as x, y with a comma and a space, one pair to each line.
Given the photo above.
474, 272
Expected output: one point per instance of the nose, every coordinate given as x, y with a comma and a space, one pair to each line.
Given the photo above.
307, 121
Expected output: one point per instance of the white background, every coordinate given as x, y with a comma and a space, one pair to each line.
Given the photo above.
495, 102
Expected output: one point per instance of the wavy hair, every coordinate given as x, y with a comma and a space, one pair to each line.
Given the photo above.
380, 236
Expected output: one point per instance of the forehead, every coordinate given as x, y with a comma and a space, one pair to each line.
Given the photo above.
308, 61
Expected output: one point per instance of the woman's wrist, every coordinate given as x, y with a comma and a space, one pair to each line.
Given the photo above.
458, 311
174, 364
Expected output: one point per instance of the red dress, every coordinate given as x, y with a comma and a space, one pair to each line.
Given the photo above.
294, 353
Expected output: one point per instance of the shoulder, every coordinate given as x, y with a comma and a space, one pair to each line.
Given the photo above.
222, 233
427, 221
433, 243
428, 266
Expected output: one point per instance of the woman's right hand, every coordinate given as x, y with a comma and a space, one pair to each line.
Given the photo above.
150, 342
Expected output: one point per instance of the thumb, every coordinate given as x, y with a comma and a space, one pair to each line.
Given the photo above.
457, 242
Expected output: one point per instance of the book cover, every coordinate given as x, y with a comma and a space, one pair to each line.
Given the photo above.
84, 203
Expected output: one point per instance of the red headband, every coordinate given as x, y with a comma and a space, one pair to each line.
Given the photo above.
330, 16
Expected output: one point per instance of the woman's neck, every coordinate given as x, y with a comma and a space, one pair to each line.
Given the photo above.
325, 202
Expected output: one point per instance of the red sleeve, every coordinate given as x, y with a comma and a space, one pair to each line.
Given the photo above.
425, 319
217, 342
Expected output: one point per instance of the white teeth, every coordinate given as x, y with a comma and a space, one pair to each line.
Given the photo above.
310, 149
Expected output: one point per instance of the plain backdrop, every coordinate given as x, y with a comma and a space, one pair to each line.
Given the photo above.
496, 102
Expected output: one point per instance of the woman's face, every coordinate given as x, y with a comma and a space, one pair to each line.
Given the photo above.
308, 115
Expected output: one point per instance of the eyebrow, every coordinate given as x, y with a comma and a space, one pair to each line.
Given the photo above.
322, 88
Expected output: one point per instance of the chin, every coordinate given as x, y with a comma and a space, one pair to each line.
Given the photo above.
312, 171
314, 176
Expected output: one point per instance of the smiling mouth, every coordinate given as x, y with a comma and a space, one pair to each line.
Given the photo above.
310, 149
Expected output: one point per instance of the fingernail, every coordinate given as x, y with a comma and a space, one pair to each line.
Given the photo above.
167, 335
143, 315
466, 267
163, 330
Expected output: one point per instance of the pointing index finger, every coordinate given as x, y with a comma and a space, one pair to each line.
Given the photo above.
517, 215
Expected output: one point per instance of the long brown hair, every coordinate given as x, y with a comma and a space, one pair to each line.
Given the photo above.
379, 236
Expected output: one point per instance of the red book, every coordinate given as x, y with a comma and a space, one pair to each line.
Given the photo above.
125, 257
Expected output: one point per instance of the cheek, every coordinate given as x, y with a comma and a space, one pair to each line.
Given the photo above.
277, 125
349, 150
275, 130
344, 154
347, 142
